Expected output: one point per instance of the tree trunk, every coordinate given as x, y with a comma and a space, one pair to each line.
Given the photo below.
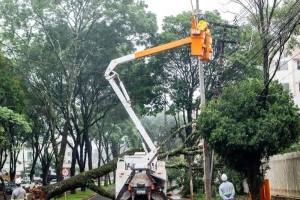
254, 178
207, 170
45, 171
89, 151
73, 163
61, 155
190, 159
82, 170
99, 158
81, 180
3, 188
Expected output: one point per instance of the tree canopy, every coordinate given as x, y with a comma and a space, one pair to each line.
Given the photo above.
61, 48
238, 124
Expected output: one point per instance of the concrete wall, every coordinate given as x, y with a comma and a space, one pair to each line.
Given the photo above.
284, 175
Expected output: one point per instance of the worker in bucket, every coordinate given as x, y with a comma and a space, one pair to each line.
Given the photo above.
202, 24
226, 189
18, 193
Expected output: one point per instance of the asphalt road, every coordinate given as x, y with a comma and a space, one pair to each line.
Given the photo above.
174, 195
98, 197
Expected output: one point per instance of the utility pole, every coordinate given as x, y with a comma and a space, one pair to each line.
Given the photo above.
223, 41
206, 148
190, 158
207, 151
218, 87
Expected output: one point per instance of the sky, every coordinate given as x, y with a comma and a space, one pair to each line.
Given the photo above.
164, 8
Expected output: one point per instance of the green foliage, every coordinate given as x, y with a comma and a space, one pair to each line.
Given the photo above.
11, 93
8, 117
13, 128
184, 183
77, 196
243, 133
173, 173
235, 177
61, 49
175, 72
280, 18
293, 148
238, 122
180, 176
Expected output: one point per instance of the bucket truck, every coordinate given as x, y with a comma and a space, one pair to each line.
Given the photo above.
141, 175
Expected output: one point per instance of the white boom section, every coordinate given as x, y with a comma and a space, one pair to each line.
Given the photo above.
124, 98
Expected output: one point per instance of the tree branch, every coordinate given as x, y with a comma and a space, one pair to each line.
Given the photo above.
80, 180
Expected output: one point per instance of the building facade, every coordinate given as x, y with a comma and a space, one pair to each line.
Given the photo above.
288, 74
25, 159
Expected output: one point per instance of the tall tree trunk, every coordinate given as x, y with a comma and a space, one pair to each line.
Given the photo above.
2, 187
61, 155
3, 157
82, 169
73, 164
45, 161
254, 179
89, 150
13, 165
190, 160
99, 157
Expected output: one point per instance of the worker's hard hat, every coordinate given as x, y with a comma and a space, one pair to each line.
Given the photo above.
201, 17
18, 181
224, 177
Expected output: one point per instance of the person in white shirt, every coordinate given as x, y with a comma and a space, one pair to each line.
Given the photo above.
18, 193
226, 189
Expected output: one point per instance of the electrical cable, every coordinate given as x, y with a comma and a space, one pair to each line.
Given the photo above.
274, 38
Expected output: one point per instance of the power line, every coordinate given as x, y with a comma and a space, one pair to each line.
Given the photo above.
221, 58
277, 35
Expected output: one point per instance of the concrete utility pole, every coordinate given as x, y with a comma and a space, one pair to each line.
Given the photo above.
206, 149
190, 158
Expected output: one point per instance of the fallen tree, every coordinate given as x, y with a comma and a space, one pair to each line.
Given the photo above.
85, 179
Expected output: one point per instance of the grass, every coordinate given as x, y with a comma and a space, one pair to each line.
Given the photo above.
78, 196
81, 194
109, 187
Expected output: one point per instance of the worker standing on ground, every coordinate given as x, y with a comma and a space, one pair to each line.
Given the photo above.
226, 189
18, 193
